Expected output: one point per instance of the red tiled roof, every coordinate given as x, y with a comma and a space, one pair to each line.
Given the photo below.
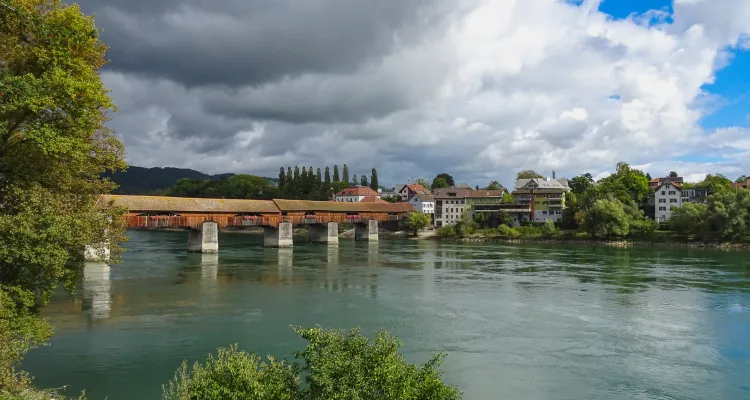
372, 199
358, 191
675, 184
418, 189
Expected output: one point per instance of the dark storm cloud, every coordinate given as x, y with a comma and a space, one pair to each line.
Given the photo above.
238, 42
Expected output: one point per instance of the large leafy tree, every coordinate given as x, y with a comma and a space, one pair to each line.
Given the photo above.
494, 185
54, 146
581, 183
607, 218
416, 221
335, 365
528, 174
448, 179
439, 183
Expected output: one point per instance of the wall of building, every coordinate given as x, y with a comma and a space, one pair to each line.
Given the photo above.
664, 199
451, 211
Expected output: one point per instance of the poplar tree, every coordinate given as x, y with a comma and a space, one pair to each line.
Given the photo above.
363, 181
282, 178
345, 174
327, 184
336, 176
354, 180
374, 184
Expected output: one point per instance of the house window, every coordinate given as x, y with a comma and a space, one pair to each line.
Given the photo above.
673, 200
663, 192
672, 193
662, 200
544, 212
662, 208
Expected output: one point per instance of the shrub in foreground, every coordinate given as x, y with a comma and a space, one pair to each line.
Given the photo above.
335, 364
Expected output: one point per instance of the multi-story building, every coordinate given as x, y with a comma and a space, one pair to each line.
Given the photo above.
667, 194
697, 196
452, 203
544, 197
424, 203
407, 191
358, 194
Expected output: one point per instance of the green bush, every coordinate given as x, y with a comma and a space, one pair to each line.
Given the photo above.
530, 231
336, 365
506, 231
446, 231
549, 229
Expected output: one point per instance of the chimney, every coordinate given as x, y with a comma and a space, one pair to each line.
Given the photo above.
554, 176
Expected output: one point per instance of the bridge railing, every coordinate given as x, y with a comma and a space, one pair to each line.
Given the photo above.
224, 221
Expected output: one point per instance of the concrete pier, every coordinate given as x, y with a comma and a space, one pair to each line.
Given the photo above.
367, 230
278, 237
325, 234
97, 297
205, 239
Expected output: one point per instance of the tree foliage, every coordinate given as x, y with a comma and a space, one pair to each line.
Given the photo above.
494, 185
374, 183
581, 183
443, 176
345, 174
417, 221
335, 365
54, 147
439, 183
528, 174
423, 182
606, 219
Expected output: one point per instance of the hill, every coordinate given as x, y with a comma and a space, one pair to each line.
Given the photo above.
140, 180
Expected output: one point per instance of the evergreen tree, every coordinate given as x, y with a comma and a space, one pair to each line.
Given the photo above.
363, 181
336, 176
374, 184
289, 181
354, 180
318, 178
327, 184
294, 189
345, 177
282, 178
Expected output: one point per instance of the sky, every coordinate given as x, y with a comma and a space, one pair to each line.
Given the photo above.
479, 89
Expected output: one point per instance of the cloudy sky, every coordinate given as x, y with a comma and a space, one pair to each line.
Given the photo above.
476, 88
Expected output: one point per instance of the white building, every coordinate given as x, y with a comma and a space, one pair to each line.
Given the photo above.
407, 191
666, 195
424, 203
358, 194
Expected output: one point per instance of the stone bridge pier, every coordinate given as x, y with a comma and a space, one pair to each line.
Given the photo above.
278, 237
325, 234
205, 239
367, 230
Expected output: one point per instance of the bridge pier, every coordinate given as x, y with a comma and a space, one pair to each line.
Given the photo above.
278, 237
205, 239
98, 253
367, 230
325, 234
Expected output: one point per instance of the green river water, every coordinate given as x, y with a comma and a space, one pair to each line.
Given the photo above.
517, 322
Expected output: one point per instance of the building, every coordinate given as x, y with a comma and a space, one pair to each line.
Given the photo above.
357, 194
451, 203
424, 203
653, 183
407, 191
697, 196
544, 197
741, 185
667, 194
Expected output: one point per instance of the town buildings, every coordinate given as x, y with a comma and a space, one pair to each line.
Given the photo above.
407, 191
424, 203
543, 197
741, 185
453, 203
667, 194
358, 194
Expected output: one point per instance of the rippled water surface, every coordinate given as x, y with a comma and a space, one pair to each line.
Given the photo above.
517, 322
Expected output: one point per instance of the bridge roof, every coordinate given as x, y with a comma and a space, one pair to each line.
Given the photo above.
336, 206
184, 204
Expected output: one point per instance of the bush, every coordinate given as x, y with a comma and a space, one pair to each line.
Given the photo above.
336, 365
549, 229
530, 231
643, 228
506, 231
446, 231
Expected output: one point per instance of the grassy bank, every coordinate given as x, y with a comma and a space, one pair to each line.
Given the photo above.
550, 235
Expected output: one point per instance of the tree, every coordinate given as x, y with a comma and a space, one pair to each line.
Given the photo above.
741, 179
374, 184
327, 184
345, 177
528, 174
439, 183
335, 365
54, 147
673, 174
448, 179
690, 219
648, 176
581, 183
606, 219
494, 185
715, 184
508, 198
282, 178
422, 181
363, 181
336, 177
417, 220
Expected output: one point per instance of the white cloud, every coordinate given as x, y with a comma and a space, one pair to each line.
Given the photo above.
506, 85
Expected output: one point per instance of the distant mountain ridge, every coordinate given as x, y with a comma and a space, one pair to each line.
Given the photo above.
140, 180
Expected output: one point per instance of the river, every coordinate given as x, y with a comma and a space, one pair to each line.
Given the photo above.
517, 322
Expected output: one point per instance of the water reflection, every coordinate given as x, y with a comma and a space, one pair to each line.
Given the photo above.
285, 263
97, 297
209, 273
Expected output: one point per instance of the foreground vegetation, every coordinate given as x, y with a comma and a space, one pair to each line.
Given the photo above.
54, 146
335, 365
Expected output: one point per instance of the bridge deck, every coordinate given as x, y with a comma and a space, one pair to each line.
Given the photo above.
178, 212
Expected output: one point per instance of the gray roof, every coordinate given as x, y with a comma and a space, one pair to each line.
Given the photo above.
561, 183
424, 197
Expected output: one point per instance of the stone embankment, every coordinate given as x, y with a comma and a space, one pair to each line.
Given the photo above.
603, 242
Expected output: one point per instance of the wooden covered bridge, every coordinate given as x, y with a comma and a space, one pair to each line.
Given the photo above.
204, 217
